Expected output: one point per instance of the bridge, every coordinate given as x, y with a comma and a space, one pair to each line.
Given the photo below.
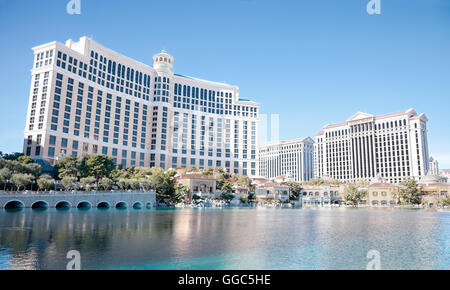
81, 200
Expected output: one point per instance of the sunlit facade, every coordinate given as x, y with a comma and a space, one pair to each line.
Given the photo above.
86, 99
292, 159
393, 147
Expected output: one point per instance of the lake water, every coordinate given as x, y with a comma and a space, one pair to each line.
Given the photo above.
206, 239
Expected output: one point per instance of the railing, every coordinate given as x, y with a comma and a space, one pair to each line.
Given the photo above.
73, 192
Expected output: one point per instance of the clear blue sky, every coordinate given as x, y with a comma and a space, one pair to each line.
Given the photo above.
313, 62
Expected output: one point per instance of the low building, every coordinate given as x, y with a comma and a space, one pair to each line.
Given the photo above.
316, 195
433, 189
381, 194
241, 190
259, 180
199, 184
272, 190
445, 174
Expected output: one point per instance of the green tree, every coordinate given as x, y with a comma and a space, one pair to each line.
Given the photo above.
362, 183
164, 184
352, 195
445, 201
334, 182
25, 159
69, 182
5, 174
33, 169
294, 189
227, 196
244, 199
224, 185
244, 181
45, 182
68, 166
98, 166
208, 171
146, 185
123, 183
191, 169
106, 183
13, 156
118, 174
408, 192
135, 184
88, 183
21, 180
181, 192
315, 181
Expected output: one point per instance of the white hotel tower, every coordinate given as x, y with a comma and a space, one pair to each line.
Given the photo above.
293, 159
392, 147
86, 99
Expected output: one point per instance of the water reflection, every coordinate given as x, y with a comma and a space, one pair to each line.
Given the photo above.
225, 239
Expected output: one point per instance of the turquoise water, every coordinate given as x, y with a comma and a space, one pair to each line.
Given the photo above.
336, 238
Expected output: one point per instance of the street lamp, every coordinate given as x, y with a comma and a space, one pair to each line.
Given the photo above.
6, 182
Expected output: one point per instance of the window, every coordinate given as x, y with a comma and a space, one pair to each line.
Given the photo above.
52, 140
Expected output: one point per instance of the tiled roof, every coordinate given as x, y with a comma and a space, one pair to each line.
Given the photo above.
271, 184
195, 176
381, 184
379, 116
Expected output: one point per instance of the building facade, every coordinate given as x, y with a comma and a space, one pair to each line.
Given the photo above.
293, 159
316, 195
199, 184
87, 99
272, 190
434, 167
393, 147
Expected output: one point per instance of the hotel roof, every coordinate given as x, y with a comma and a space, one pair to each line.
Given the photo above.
361, 116
303, 139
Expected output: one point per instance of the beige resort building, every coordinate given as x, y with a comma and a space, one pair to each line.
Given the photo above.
199, 184
87, 99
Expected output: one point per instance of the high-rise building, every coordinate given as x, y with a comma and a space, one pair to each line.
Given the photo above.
87, 99
434, 167
393, 147
292, 159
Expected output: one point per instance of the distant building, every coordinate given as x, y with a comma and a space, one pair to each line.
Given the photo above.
392, 146
292, 160
272, 190
434, 167
381, 194
199, 184
316, 195
445, 173
434, 190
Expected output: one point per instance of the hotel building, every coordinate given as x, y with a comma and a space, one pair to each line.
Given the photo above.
87, 99
393, 147
434, 167
293, 159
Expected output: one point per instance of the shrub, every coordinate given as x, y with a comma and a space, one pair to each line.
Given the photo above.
69, 182
88, 183
21, 180
45, 182
106, 183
